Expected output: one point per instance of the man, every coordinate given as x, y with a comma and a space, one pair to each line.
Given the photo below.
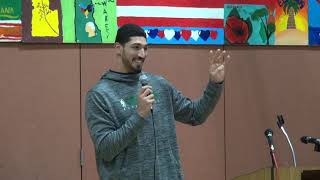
131, 114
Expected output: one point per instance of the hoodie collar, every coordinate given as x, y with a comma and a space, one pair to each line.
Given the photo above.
121, 77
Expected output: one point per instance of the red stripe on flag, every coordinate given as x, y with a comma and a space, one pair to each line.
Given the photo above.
177, 22
174, 3
254, 2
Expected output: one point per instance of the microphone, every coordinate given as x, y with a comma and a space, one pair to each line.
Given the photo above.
144, 81
312, 140
308, 139
269, 133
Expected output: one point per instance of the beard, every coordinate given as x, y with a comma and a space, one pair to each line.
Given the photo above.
133, 66
138, 69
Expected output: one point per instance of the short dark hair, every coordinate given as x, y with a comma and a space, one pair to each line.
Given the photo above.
129, 30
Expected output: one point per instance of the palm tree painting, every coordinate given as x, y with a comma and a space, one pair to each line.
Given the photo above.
292, 22
291, 7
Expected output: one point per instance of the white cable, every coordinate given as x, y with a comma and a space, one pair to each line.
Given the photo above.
291, 147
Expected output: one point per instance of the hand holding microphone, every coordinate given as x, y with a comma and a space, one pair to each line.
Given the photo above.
145, 98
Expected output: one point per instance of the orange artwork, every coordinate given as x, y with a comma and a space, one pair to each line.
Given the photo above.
291, 22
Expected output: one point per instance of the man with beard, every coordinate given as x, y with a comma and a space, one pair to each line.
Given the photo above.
131, 113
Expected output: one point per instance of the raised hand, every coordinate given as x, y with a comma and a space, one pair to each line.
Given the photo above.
217, 62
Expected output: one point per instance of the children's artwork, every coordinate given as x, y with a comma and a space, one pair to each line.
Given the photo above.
97, 21
292, 22
175, 22
42, 21
314, 22
10, 21
70, 21
249, 24
215, 22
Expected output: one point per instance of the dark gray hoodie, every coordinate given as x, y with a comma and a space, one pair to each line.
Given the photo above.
129, 147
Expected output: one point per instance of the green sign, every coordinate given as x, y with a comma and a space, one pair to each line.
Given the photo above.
10, 9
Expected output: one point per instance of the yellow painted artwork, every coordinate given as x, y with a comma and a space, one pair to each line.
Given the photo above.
301, 23
45, 22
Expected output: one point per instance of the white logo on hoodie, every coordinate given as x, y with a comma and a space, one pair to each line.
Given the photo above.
123, 104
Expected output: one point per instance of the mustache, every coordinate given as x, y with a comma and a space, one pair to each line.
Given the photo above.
139, 58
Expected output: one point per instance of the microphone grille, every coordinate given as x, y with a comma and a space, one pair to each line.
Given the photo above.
143, 79
305, 139
268, 132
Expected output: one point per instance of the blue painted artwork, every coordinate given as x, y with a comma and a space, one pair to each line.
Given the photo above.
314, 22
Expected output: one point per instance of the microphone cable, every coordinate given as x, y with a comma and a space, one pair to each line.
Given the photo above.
280, 123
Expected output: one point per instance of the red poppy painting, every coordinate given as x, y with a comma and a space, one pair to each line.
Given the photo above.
242, 19
236, 30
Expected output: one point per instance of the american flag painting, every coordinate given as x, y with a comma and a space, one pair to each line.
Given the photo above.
175, 22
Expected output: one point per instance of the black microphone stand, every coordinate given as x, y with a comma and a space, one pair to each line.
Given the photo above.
273, 166
274, 169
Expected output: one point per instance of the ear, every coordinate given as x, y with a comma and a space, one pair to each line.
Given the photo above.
118, 48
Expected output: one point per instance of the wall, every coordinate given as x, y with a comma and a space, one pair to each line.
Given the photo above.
262, 83
39, 112
42, 126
